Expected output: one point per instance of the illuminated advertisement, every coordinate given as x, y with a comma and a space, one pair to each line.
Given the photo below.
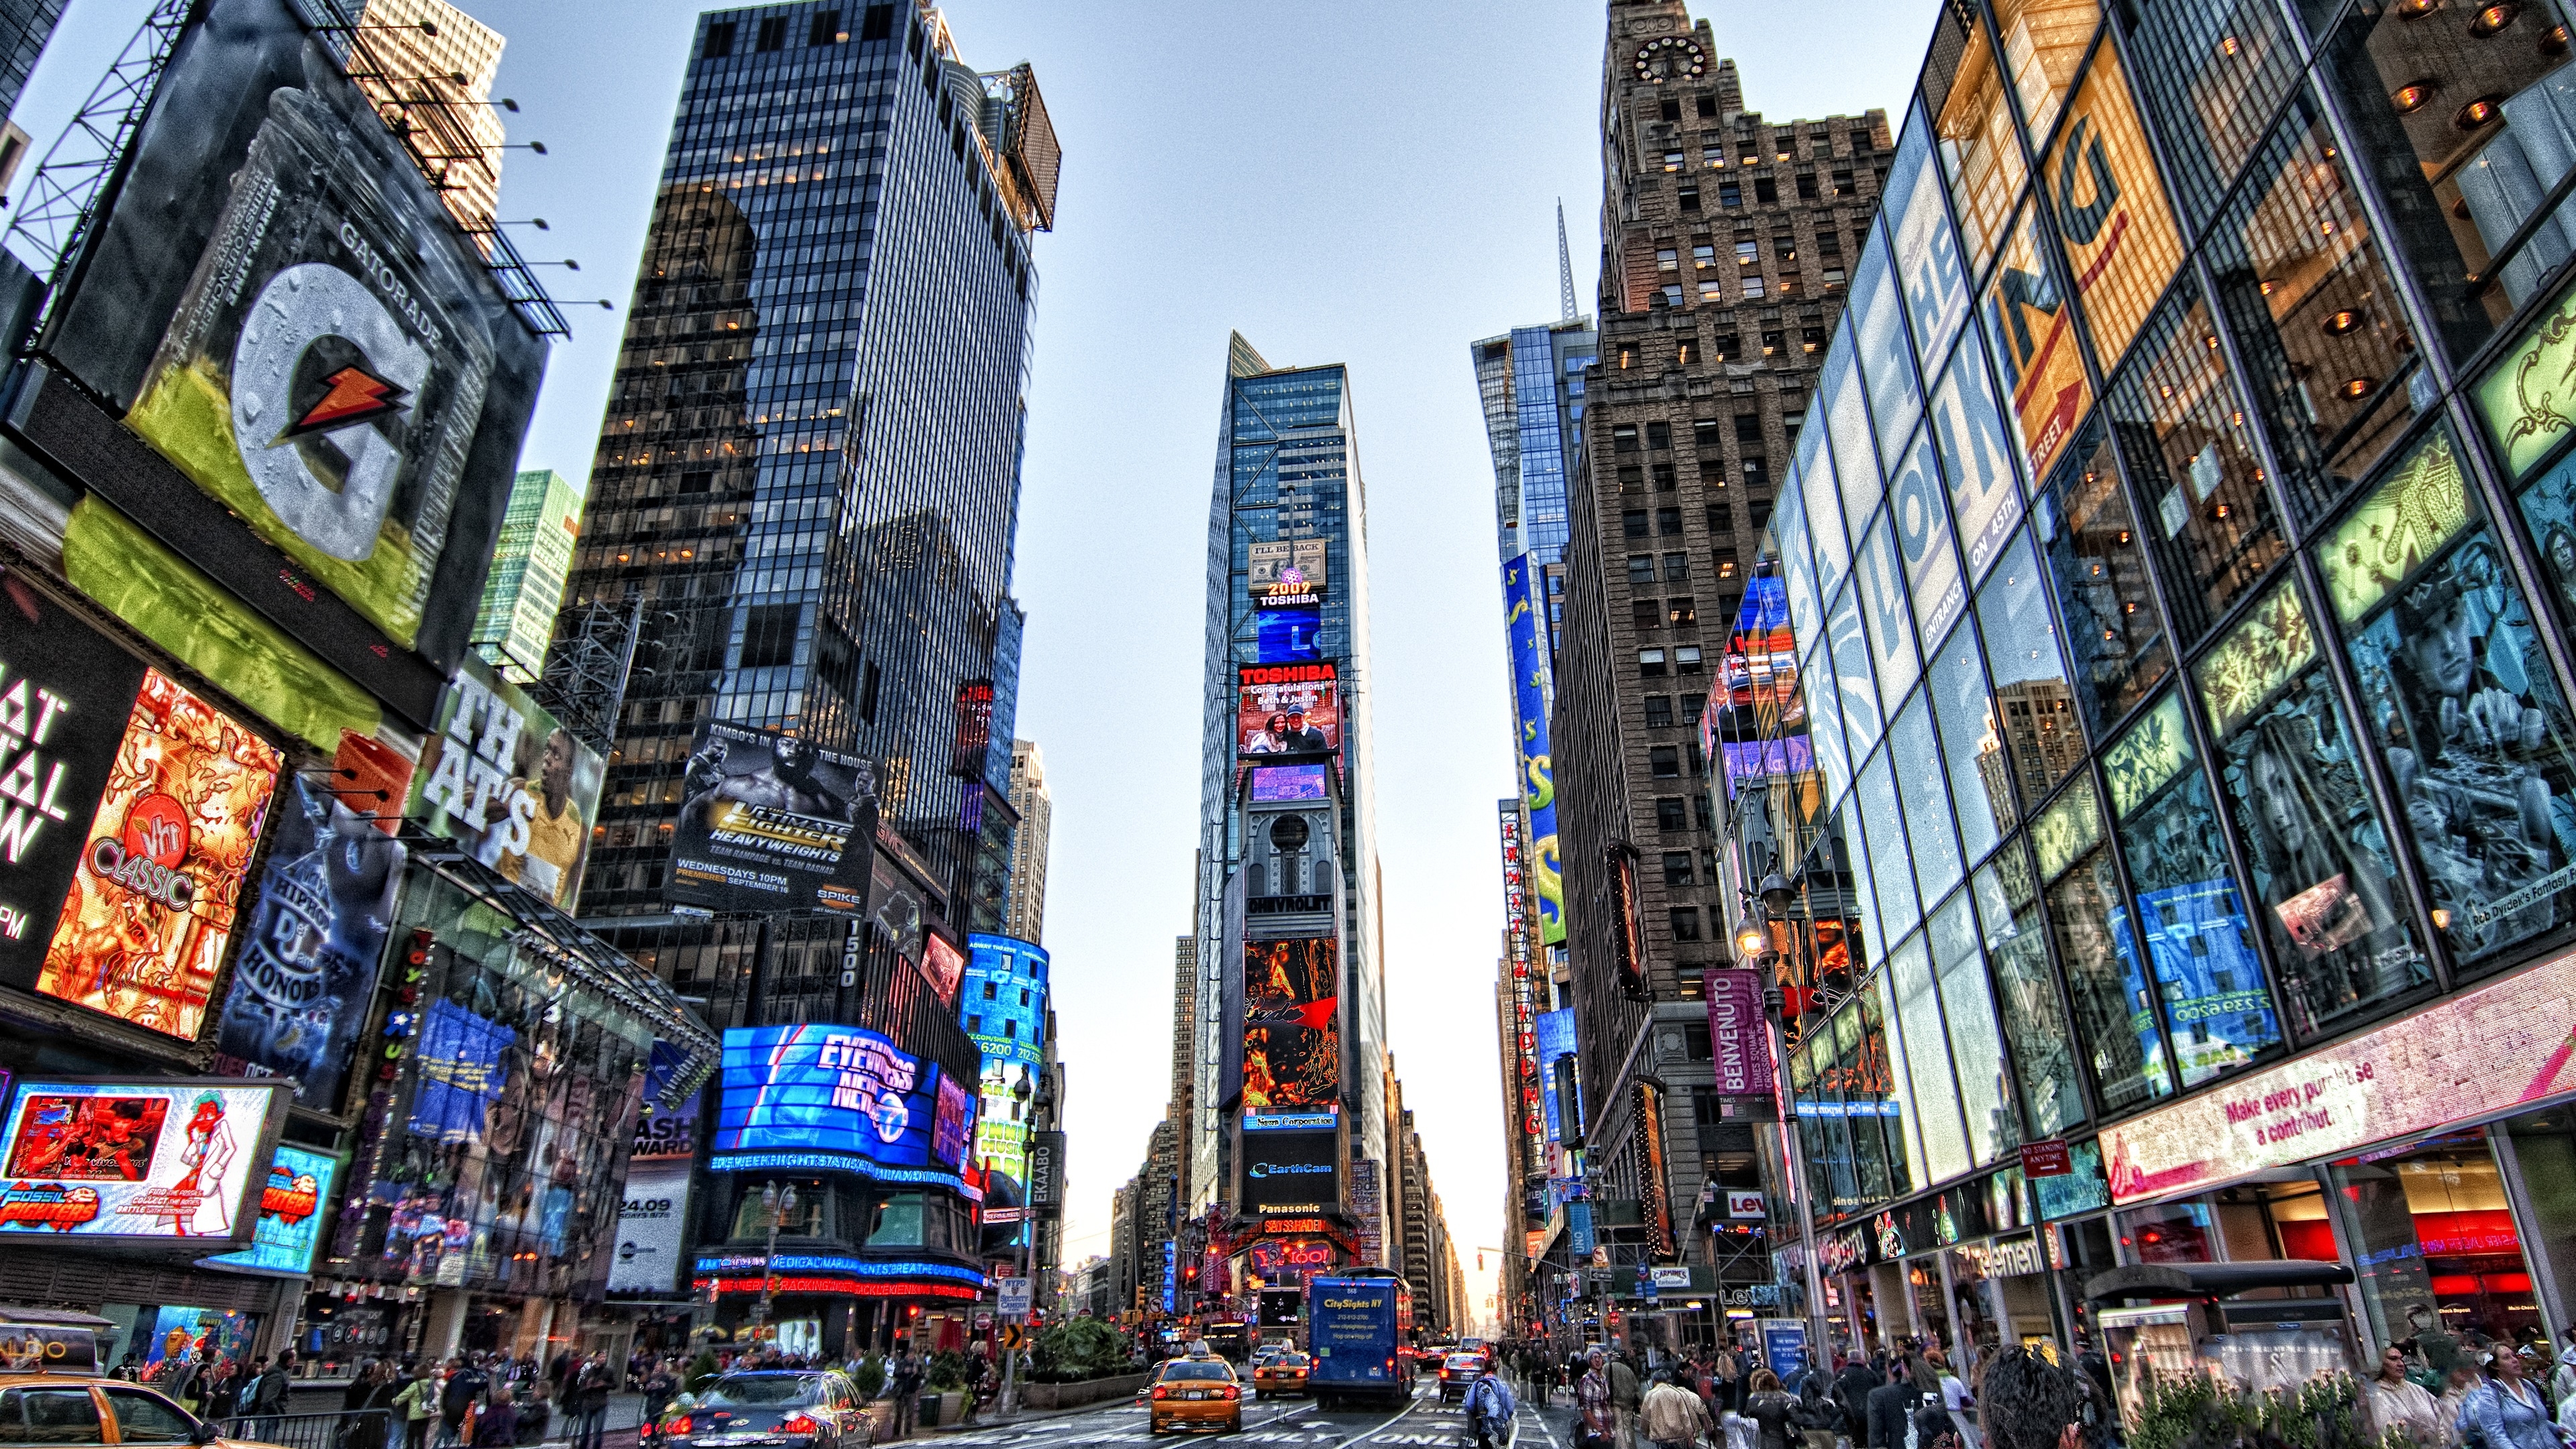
282, 307
2475, 1055
301, 985
1281, 784
943, 965
1525, 615
1654, 1195
1627, 928
464, 1065
1288, 636
841, 1096
974, 741
502, 778
666, 1127
63, 687
1555, 1040
1292, 1171
1002, 1128
153, 1158
290, 1214
1004, 1004
1739, 1037
1287, 710
769, 822
2120, 242
1288, 573
2032, 335
1292, 1044
1520, 1003
150, 912
652, 1218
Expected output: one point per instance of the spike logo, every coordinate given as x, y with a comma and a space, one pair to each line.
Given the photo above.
351, 395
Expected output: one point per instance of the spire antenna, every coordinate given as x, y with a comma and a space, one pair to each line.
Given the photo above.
1564, 265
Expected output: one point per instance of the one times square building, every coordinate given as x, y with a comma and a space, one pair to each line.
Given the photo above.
2149, 773
807, 489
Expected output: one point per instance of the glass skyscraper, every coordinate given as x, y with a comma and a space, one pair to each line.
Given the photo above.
1531, 383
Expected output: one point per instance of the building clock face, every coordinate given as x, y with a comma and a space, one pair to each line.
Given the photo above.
1670, 57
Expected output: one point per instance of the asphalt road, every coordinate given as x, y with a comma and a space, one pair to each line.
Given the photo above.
1425, 1423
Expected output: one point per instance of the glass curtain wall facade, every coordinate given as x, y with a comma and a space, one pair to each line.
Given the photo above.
2171, 738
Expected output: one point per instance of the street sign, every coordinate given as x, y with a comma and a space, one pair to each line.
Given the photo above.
2046, 1159
1015, 1298
1672, 1276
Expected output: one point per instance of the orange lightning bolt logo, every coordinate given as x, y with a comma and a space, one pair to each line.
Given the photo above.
351, 395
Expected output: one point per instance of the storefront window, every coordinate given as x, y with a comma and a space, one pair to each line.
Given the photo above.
1905, 1128
2543, 1157
1886, 616
805, 1220
2043, 42
2182, 424
2100, 182
2461, 703
2470, 115
1922, 523
1976, 1045
2033, 705
2174, 1232
897, 1222
1875, 1082
2328, 357
1927, 1060
1917, 758
2197, 938
1886, 357
1981, 784
1847, 420
2116, 1025
2212, 75
2032, 335
1931, 273
2549, 511
1976, 461
1978, 149
2435, 1246
2112, 627
2043, 1055
2333, 906
1875, 800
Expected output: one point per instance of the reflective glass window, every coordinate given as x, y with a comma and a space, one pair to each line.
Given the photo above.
2468, 113
2460, 702
1980, 780
1930, 272
1974, 130
2043, 42
2112, 629
1856, 859
1852, 677
1824, 720
2324, 878
2182, 424
2032, 336
2033, 705
1875, 800
1905, 1129
1976, 461
1927, 1062
1885, 615
1826, 537
2198, 941
1869, 1148
1875, 1084
2118, 235
1886, 358
2118, 1032
1922, 525
1976, 1041
1917, 757
2328, 357
1847, 418
2548, 507
1797, 569
2043, 1052
2211, 72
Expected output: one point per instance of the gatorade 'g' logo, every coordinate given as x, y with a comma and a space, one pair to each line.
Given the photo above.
281, 420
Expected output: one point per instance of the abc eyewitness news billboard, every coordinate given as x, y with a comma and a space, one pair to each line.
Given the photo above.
278, 303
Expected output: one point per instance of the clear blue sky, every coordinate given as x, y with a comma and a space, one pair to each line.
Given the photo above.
1370, 184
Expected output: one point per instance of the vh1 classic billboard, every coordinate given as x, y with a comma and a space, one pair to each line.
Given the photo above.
127, 1160
771, 822
278, 303
1287, 709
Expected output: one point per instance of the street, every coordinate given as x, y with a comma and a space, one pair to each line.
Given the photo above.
1425, 1423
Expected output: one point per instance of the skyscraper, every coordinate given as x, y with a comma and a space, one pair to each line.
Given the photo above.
437, 64
526, 586
1024, 908
1287, 853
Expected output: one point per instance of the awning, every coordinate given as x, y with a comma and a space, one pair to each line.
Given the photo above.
2212, 1280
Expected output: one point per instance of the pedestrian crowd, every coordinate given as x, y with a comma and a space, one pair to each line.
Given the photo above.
472, 1401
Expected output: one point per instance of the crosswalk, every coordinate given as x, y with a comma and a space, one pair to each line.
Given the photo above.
1425, 1423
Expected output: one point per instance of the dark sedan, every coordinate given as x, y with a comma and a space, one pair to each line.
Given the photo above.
802, 1409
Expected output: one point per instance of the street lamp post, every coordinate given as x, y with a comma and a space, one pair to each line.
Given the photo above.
1009, 1408
777, 1203
1760, 950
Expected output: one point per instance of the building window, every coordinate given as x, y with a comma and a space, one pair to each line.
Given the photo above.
1730, 193
1667, 259
1686, 658
1632, 480
1677, 868
1650, 663
1712, 288
1766, 191
1726, 563
1757, 474
1685, 923
1861, 141
1689, 198
1643, 614
1721, 518
1676, 567
719, 40
826, 29
1704, 257
1672, 294
1659, 711
1807, 186
1708, 107
1753, 286
1672, 160
1680, 611
1668, 520
1696, 1045
1692, 705
1664, 762
1671, 816
1623, 437
1712, 157
1633, 523
1670, 108
1699, 807
1727, 344
1665, 480
773, 34
1772, 342
1843, 184
1659, 436
1641, 568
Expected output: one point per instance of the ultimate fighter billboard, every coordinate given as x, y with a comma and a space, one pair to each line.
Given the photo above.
771, 822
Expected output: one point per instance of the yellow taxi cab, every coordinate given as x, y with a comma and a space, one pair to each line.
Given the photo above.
52, 1394
1284, 1373
1196, 1393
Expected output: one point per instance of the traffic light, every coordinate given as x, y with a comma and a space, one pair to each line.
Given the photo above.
1140, 1297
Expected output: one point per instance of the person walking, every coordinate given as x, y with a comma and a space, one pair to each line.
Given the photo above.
369, 1394
416, 1402
1673, 1417
1726, 1370
1490, 1408
2397, 1402
456, 1395
1958, 1401
1626, 1395
267, 1396
1852, 1388
1777, 1416
590, 1389
1592, 1402
496, 1426
905, 1383
1888, 1409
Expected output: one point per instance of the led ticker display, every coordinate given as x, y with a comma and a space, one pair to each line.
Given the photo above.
150, 913
1292, 1055
156, 1158
290, 1214
1287, 709
1280, 784
839, 1093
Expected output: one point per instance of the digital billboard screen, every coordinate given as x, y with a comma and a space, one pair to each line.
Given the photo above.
1287, 573
502, 777
1292, 1045
1525, 606
1285, 1171
1287, 709
839, 1095
666, 1128
1277, 784
1288, 636
652, 1220
290, 1214
280, 304
1004, 1003
160, 1158
150, 912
